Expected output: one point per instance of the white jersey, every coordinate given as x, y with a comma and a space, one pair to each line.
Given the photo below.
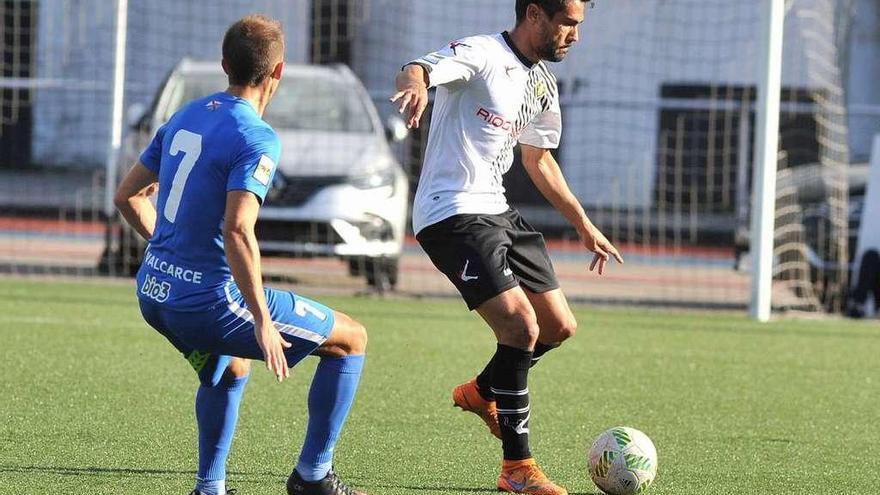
489, 97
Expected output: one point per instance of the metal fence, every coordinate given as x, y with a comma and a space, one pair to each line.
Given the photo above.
658, 110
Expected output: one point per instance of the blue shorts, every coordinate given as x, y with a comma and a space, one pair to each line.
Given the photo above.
210, 339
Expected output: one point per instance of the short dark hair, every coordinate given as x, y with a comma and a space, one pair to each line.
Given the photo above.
251, 48
550, 7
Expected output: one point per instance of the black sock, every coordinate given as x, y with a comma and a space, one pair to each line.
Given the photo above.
541, 349
510, 376
484, 379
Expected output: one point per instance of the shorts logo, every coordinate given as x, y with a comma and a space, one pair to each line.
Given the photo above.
155, 290
464, 276
507, 272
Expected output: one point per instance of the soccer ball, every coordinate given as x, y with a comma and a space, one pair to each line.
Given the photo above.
623, 461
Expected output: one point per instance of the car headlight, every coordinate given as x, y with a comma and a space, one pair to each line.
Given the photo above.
376, 228
375, 179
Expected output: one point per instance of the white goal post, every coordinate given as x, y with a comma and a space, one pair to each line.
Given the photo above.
766, 157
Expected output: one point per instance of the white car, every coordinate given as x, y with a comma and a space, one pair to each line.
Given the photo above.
338, 190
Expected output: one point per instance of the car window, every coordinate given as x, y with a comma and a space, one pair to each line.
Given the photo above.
318, 104
302, 103
201, 86
175, 99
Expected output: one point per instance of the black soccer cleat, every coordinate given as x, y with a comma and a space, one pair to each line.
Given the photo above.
330, 485
231, 491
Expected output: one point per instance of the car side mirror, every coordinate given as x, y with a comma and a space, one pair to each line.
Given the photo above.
135, 114
395, 129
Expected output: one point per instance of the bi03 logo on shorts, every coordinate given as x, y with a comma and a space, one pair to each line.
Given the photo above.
155, 290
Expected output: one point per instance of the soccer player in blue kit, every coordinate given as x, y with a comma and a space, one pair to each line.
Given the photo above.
200, 285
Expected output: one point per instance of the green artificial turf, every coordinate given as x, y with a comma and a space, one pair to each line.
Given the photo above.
93, 401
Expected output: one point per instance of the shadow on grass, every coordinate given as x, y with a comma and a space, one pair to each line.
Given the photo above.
238, 476
438, 488
457, 489
129, 472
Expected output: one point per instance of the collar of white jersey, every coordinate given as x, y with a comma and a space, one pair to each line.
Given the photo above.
522, 58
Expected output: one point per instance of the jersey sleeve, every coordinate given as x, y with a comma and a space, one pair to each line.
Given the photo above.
545, 130
460, 61
254, 163
152, 156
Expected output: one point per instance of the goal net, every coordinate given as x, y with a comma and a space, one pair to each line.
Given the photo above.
658, 103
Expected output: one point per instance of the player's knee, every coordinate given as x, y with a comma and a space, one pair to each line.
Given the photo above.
521, 330
358, 339
532, 331
238, 368
349, 338
566, 329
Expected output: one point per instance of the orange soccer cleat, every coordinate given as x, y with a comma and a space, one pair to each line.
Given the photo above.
526, 477
467, 397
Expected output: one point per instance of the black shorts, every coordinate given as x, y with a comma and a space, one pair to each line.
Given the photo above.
485, 255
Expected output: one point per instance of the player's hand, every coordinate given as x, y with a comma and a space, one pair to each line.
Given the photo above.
412, 96
273, 345
596, 242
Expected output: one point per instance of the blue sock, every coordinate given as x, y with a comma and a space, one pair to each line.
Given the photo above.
330, 398
211, 487
217, 415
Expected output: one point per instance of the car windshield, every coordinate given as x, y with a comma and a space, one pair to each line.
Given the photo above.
302, 102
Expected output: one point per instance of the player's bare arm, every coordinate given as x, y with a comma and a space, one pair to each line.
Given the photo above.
132, 199
243, 254
412, 93
547, 177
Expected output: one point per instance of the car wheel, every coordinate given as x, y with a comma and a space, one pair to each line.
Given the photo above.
125, 258
382, 273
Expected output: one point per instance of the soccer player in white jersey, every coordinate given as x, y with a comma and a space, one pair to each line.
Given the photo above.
494, 91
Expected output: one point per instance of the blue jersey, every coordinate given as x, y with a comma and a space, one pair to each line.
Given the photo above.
210, 147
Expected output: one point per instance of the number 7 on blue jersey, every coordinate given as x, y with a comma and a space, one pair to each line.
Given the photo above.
190, 144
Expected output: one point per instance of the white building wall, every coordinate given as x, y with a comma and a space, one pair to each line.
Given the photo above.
75, 49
